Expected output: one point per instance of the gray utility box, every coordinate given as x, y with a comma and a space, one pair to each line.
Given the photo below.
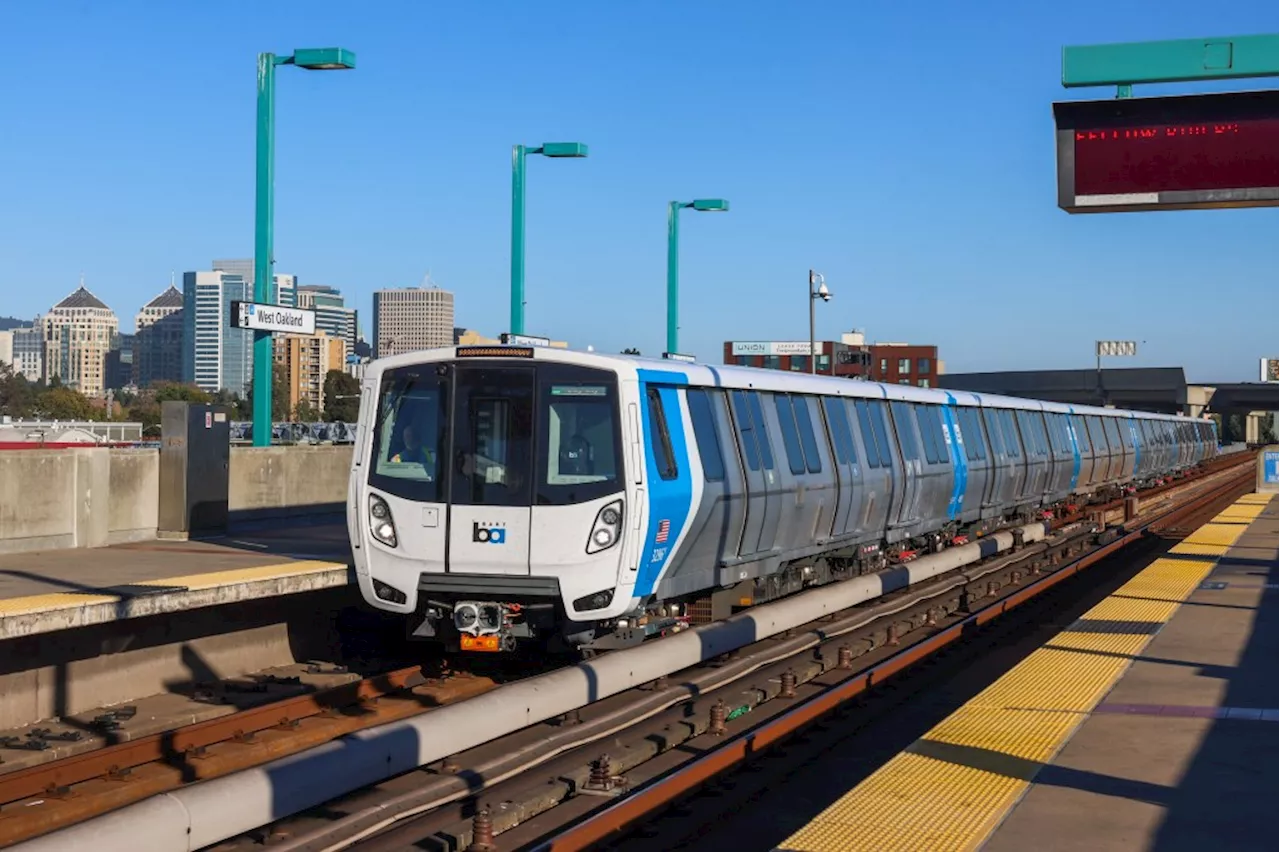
195, 463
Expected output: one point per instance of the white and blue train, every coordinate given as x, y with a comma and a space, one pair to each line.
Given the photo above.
505, 492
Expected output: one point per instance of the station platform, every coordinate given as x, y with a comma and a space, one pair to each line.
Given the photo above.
1149, 723
48, 591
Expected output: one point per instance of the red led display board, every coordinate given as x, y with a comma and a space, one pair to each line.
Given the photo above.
1172, 153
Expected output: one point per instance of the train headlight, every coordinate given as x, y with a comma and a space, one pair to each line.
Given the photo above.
383, 526
607, 528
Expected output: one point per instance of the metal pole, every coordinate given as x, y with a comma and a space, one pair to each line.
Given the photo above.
813, 359
673, 276
263, 280
517, 238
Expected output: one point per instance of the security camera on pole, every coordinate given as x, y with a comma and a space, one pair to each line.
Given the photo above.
814, 295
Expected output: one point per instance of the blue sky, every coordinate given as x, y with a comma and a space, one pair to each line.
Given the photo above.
903, 149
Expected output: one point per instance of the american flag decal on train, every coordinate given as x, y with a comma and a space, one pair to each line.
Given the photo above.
664, 529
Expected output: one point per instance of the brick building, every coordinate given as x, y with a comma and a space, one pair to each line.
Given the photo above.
850, 357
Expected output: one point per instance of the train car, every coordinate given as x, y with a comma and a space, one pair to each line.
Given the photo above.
500, 493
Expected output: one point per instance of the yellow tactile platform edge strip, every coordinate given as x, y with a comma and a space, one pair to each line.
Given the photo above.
57, 601
952, 787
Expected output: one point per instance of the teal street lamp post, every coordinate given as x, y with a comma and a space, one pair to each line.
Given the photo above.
264, 285
709, 205
518, 154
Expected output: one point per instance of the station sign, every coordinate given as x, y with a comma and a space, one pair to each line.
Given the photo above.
1182, 152
775, 347
1269, 370
676, 356
509, 339
259, 317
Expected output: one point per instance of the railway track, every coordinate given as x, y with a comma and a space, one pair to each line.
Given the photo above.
43, 798
586, 777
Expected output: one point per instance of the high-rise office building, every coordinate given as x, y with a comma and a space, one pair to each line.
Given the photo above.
28, 352
158, 340
306, 360
216, 356
411, 318
333, 317
121, 369
286, 285
77, 334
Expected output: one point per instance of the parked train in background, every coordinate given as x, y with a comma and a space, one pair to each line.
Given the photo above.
503, 492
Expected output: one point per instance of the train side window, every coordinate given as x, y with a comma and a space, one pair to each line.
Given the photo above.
706, 434
938, 435
660, 438
902, 417
990, 421
746, 432
838, 421
790, 437
877, 410
1011, 439
971, 427
926, 434
1082, 434
762, 430
808, 440
868, 434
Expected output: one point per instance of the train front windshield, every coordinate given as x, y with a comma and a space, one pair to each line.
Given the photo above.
484, 434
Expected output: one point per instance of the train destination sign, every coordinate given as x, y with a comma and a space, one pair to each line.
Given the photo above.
260, 317
1186, 152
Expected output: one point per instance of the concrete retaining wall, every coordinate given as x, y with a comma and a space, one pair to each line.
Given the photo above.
91, 497
288, 482
95, 496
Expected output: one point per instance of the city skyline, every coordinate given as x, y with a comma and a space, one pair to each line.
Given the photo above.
940, 229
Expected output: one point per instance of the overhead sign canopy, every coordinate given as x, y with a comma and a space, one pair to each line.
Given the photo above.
260, 317
775, 347
1185, 152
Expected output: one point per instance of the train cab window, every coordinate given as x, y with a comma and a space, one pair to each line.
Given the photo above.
705, 433
906, 429
493, 424
579, 435
927, 438
874, 457
809, 441
838, 421
746, 430
790, 437
660, 438
410, 434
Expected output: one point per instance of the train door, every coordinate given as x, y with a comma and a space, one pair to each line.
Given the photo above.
910, 463
849, 493
877, 472
892, 461
761, 525
490, 470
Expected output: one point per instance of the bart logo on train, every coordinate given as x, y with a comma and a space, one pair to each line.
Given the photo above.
489, 535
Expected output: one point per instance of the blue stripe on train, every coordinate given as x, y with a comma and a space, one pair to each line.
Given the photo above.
670, 500
958, 459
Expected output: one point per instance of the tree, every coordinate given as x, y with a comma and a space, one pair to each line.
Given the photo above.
341, 397
17, 396
62, 403
631, 350
174, 392
306, 413
279, 396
